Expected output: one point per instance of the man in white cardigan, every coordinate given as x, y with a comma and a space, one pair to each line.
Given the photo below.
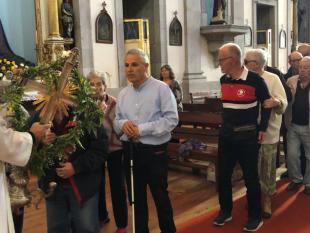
255, 60
15, 149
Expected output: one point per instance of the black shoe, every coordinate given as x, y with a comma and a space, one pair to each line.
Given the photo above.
307, 190
253, 224
222, 218
284, 175
293, 186
266, 215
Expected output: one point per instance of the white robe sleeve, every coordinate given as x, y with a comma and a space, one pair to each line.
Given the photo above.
15, 147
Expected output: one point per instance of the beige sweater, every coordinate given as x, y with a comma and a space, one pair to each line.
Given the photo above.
276, 91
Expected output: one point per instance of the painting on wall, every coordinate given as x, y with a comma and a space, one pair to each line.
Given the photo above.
104, 27
282, 39
175, 31
131, 30
248, 37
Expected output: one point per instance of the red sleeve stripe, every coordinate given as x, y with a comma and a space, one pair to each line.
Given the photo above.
238, 92
240, 106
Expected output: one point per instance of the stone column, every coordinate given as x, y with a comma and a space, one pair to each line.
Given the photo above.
193, 80
158, 46
54, 45
119, 27
295, 25
83, 34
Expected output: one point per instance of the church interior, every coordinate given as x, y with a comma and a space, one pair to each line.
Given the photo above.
44, 44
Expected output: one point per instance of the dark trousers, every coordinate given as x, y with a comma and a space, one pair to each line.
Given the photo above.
244, 151
150, 168
18, 219
118, 190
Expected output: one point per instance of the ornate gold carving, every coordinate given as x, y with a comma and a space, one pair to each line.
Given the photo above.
39, 35
52, 50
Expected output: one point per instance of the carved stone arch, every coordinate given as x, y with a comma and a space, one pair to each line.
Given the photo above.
175, 32
104, 27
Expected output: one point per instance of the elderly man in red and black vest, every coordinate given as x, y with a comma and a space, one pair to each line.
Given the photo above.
242, 91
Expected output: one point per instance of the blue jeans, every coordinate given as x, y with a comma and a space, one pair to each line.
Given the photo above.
65, 215
298, 135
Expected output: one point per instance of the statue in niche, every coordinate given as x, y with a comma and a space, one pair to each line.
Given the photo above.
67, 19
219, 12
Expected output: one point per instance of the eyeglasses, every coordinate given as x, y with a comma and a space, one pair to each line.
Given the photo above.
223, 59
249, 61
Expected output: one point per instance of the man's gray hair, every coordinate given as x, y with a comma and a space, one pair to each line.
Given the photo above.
305, 58
140, 53
102, 75
234, 51
259, 55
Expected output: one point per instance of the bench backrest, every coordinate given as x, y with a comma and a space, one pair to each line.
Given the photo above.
203, 119
199, 125
209, 105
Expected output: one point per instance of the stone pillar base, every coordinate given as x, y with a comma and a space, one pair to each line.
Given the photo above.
193, 83
53, 49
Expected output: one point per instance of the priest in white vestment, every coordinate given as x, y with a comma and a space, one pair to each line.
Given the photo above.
15, 148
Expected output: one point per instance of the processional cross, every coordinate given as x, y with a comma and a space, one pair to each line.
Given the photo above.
56, 101
53, 102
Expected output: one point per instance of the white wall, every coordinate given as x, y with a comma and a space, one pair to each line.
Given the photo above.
105, 55
212, 73
248, 20
176, 54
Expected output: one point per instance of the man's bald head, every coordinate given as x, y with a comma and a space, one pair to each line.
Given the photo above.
294, 58
304, 49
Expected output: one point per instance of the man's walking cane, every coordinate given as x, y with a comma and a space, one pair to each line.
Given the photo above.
132, 186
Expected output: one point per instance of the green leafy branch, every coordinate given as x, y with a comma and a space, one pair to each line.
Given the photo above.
88, 116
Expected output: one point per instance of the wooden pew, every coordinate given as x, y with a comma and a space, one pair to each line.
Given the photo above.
202, 126
210, 105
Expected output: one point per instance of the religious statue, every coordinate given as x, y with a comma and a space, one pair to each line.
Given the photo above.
219, 12
67, 19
